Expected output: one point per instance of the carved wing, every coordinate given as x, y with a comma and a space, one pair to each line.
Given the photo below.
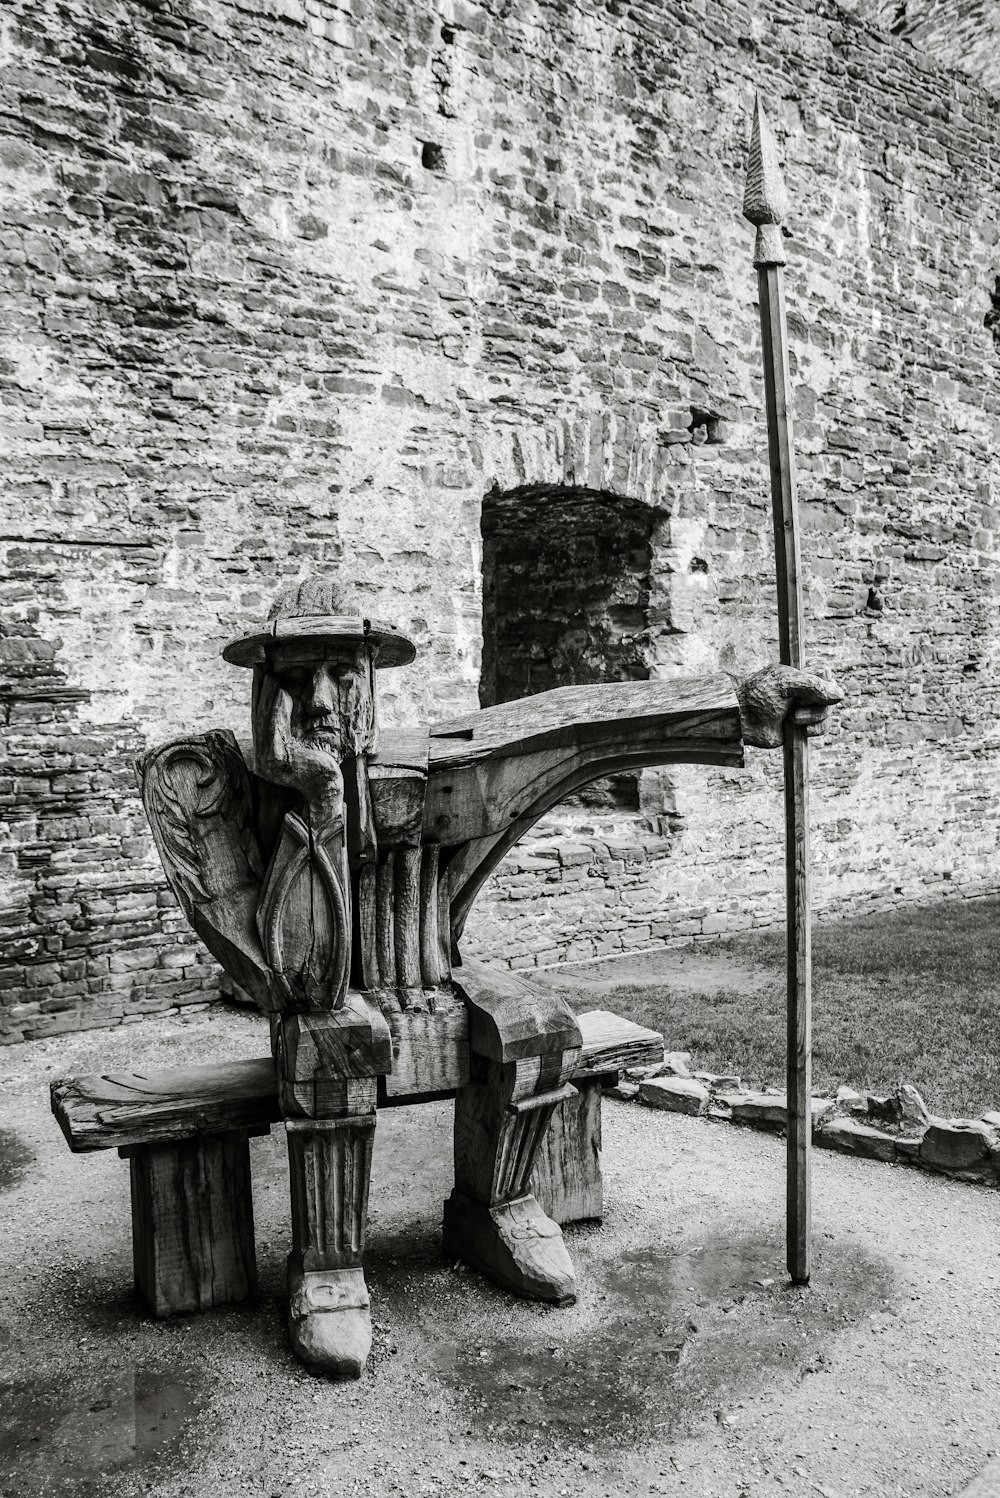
199, 800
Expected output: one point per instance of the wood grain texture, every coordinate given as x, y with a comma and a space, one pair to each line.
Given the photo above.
495, 1144
359, 820
444, 924
397, 778
406, 917
509, 1018
192, 1223
365, 958
385, 935
397, 804
430, 946
765, 200
611, 1043
318, 1055
118, 1109
430, 1049
401, 749
569, 717
566, 1178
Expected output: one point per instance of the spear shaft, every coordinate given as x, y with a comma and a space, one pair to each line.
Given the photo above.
765, 204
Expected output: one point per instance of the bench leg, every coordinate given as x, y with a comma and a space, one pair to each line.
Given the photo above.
491, 1219
192, 1222
329, 1320
566, 1179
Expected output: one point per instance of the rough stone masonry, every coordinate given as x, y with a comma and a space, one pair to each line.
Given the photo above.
301, 283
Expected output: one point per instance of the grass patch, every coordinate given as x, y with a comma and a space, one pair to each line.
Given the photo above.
909, 996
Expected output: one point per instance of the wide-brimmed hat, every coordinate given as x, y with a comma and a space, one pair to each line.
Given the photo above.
321, 610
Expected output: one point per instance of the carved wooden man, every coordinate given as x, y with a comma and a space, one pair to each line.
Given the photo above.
333, 883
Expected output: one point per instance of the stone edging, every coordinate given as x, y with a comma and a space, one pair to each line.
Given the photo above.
897, 1129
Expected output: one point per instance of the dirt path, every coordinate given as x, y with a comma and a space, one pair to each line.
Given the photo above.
686, 1367
694, 969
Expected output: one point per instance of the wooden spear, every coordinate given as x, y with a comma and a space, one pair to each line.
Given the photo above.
765, 205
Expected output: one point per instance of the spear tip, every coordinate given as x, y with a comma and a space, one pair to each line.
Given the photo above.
766, 198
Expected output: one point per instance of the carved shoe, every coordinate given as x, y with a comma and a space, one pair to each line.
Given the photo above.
514, 1244
329, 1321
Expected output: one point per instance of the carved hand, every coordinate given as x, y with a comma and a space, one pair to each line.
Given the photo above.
288, 759
778, 694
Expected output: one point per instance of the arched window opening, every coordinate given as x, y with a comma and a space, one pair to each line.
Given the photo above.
566, 590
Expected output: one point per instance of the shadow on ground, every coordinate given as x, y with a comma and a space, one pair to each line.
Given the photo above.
683, 1332
15, 1159
70, 1436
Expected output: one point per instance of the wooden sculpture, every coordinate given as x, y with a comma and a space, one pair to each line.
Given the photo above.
332, 881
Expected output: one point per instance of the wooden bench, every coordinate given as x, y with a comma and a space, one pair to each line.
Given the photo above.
185, 1132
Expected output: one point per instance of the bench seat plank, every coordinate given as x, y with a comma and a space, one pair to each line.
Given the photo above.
119, 1109
611, 1043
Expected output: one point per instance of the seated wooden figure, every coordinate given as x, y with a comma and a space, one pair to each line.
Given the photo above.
333, 880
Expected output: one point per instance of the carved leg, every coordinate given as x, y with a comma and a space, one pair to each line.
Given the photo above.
328, 1316
328, 1065
491, 1218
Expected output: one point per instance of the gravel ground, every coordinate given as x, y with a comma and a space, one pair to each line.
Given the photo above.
687, 1365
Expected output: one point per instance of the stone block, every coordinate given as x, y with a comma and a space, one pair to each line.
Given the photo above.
960, 1147
676, 1094
625, 1092
912, 1108
717, 1083
760, 1109
856, 1138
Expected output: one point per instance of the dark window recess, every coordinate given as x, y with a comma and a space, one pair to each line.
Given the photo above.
432, 156
566, 583
706, 426
992, 318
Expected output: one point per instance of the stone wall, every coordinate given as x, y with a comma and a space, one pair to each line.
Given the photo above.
961, 34
295, 283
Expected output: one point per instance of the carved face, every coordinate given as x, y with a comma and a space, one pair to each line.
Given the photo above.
331, 693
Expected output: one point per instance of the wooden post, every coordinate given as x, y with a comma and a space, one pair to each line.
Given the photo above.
192, 1222
765, 205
